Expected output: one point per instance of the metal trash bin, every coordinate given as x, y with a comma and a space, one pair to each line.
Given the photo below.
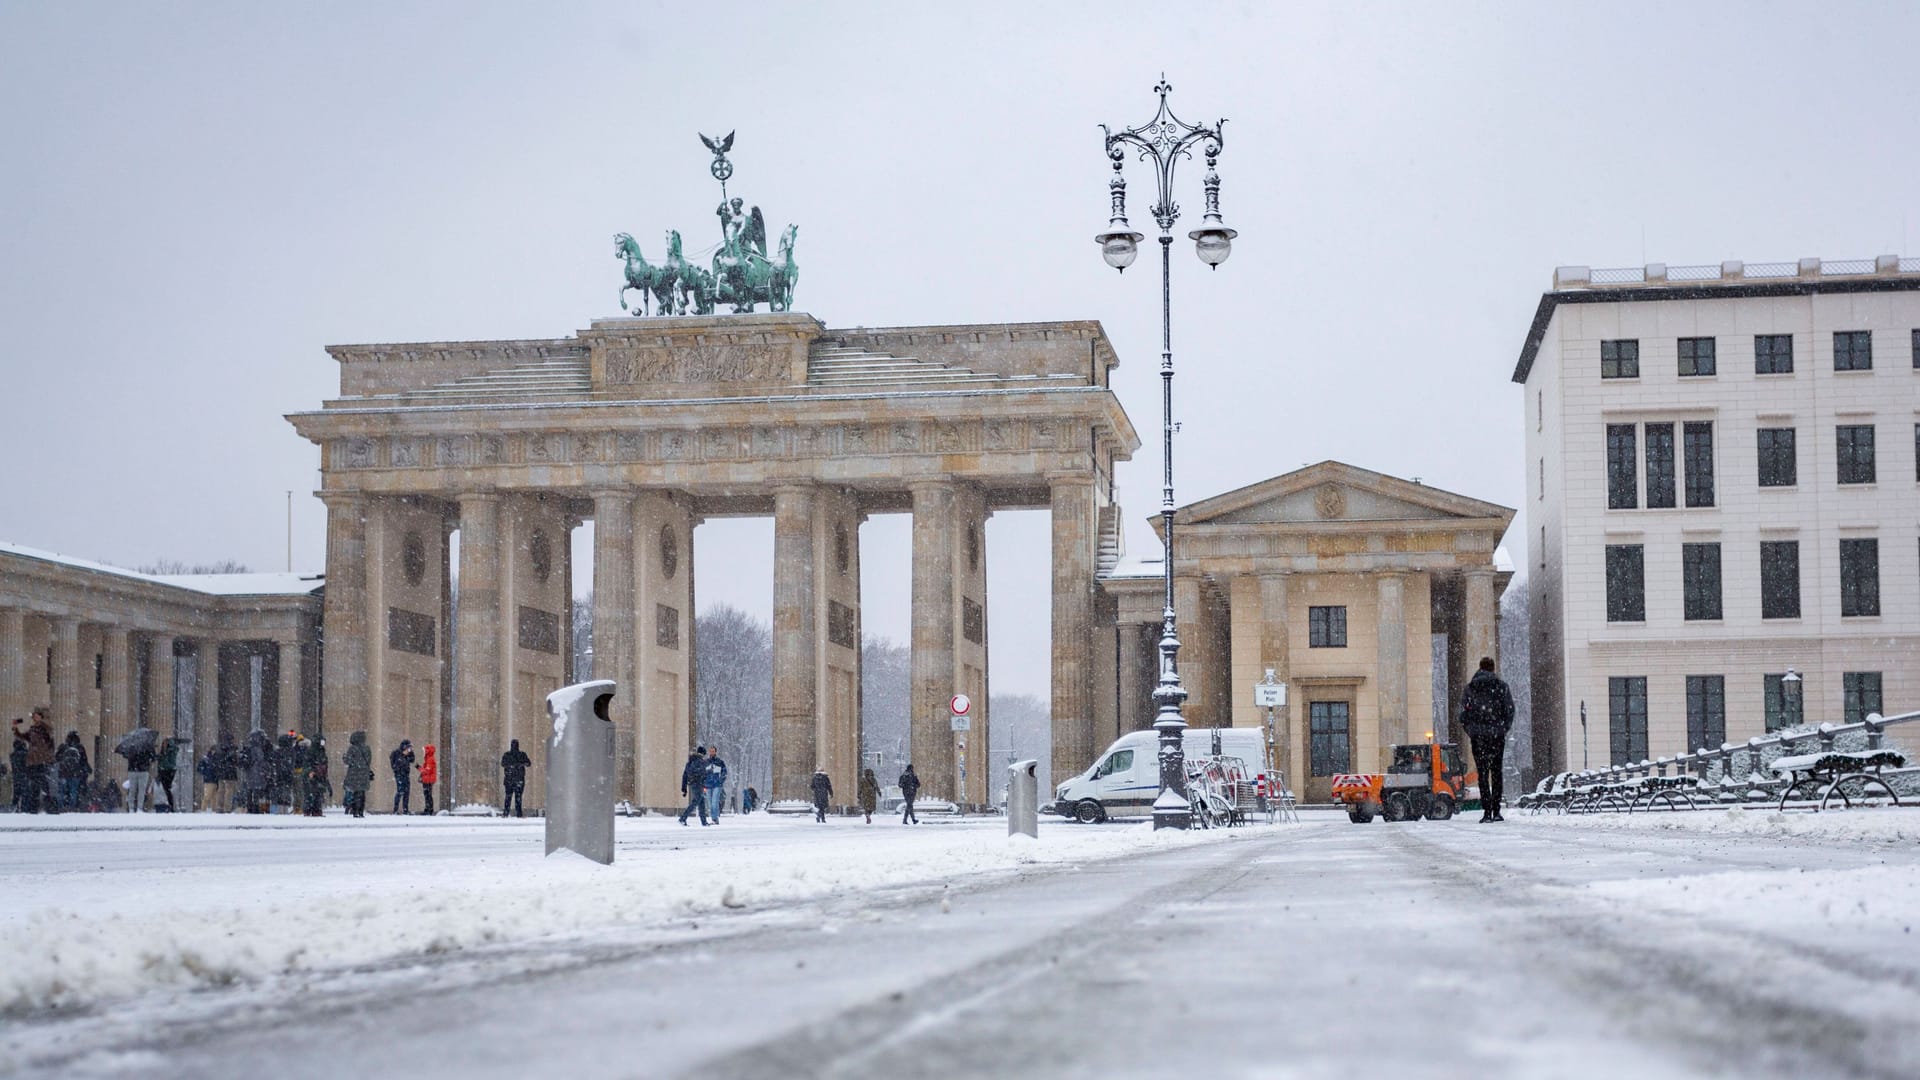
1023, 798
580, 790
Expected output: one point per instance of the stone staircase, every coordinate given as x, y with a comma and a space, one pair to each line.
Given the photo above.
836, 364
1112, 541
567, 379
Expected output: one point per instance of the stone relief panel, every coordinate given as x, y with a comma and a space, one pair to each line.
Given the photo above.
702, 363
453, 451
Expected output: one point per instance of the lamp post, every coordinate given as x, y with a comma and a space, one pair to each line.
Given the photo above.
1164, 141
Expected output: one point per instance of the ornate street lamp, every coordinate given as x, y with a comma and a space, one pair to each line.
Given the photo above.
1164, 141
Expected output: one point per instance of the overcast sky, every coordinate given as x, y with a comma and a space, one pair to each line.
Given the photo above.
195, 199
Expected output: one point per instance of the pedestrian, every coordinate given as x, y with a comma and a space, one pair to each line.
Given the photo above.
257, 765
140, 747
319, 788
167, 767
17, 762
716, 783
749, 799
297, 799
38, 764
869, 794
227, 766
6, 782
822, 791
73, 769
429, 776
513, 771
285, 753
402, 766
208, 768
1486, 712
693, 784
359, 763
909, 787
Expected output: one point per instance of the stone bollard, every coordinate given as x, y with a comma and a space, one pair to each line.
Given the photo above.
1023, 798
580, 788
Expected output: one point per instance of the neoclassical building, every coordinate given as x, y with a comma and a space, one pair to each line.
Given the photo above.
649, 427
1347, 583
190, 655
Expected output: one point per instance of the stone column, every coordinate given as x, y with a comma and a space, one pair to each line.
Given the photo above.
206, 727
1482, 620
935, 543
1137, 657
1074, 526
1189, 610
160, 711
344, 671
291, 714
116, 689
796, 645
1276, 644
65, 639
477, 678
13, 658
613, 645
1391, 661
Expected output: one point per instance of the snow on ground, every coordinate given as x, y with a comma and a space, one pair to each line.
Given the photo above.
1886, 826
98, 907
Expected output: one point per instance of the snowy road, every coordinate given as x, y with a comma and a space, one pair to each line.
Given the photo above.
1546, 948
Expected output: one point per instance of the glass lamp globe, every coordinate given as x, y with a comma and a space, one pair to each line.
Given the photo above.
1213, 241
1119, 245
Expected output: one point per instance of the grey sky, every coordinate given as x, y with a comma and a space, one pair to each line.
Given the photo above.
196, 198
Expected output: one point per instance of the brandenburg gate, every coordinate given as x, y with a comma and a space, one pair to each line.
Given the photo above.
649, 426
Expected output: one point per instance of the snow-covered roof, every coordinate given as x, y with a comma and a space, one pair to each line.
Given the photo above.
293, 584
1137, 566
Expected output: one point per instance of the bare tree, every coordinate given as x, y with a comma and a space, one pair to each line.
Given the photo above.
1022, 729
582, 639
168, 567
886, 704
1516, 668
733, 693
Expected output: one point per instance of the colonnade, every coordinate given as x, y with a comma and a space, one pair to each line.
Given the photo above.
390, 670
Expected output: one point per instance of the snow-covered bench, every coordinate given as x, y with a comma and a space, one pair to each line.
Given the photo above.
1831, 769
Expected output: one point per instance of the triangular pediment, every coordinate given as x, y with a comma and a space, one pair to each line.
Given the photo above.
1332, 491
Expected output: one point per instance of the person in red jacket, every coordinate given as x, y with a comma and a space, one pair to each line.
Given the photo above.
429, 774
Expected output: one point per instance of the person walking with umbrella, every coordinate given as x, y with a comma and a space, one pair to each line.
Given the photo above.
139, 747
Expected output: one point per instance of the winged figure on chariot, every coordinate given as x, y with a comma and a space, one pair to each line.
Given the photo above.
741, 275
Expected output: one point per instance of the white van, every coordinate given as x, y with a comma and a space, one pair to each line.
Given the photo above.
1125, 778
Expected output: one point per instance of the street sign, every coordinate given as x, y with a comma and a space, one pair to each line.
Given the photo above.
1269, 695
960, 704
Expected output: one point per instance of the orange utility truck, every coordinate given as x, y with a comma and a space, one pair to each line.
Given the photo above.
1425, 780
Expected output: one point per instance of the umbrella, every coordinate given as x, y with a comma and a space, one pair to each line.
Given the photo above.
138, 740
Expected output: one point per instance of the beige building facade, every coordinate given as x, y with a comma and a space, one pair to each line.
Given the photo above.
193, 656
497, 450
1723, 489
1336, 578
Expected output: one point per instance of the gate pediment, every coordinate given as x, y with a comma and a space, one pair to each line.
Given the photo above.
1334, 492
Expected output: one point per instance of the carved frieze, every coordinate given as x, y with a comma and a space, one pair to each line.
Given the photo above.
698, 363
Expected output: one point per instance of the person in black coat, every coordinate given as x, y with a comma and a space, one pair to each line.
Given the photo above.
909, 788
71, 763
513, 769
693, 784
1486, 712
822, 791
401, 762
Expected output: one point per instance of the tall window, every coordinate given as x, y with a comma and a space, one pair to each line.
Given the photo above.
1783, 702
1659, 465
1627, 718
1859, 577
1626, 583
1779, 579
1779, 465
1853, 350
1699, 448
1916, 348
1772, 354
1623, 490
1855, 445
1700, 580
1326, 627
1706, 711
1620, 359
1327, 734
1916, 451
1861, 695
1696, 356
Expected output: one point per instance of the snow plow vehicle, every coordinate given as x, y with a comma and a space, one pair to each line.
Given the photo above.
1423, 780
